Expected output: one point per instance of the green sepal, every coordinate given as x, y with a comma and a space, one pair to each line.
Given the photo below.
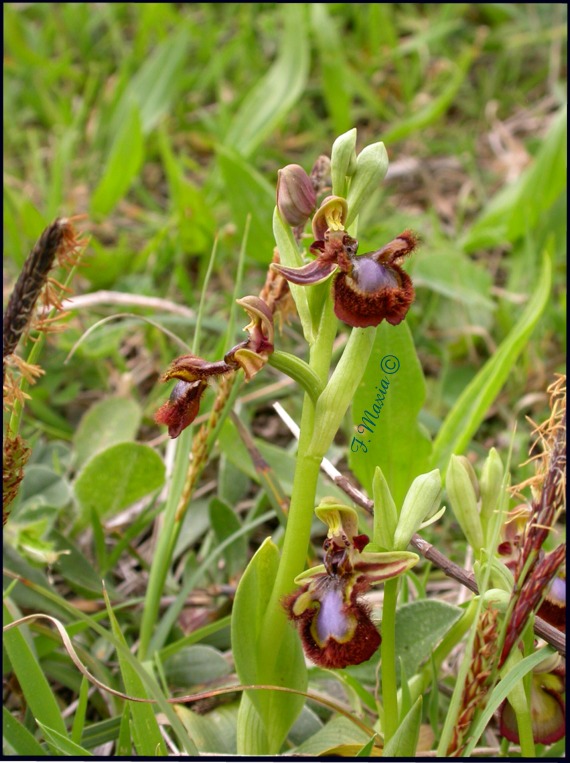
371, 168
343, 161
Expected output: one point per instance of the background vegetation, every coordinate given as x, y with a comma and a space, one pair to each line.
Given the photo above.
166, 124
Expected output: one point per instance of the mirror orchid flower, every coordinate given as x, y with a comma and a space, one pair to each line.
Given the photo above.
367, 288
332, 619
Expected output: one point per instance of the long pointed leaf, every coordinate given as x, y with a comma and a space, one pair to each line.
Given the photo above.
469, 411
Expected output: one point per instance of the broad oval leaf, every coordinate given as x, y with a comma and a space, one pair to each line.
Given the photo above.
117, 477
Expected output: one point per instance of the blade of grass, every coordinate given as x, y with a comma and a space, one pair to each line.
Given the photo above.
79, 715
146, 731
62, 744
169, 618
35, 688
501, 691
462, 421
171, 525
275, 93
19, 738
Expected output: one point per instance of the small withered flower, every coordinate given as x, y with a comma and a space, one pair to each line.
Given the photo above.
367, 288
332, 620
193, 372
547, 707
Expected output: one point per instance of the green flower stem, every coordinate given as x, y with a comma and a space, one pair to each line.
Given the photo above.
166, 543
339, 392
388, 656
298, 370
300, 517
524, 724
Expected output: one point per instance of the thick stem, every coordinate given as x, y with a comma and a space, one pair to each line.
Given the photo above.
388, 656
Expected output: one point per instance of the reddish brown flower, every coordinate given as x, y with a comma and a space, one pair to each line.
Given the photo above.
547, 709
334, 624
368, 288
194, 372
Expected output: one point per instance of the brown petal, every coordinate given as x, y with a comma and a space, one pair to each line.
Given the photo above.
191, 368
402, 246
314, 272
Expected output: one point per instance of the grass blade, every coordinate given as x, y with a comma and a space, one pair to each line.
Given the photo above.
31, 678
146, 732
62, 743
468, 412
275, 93
19, 738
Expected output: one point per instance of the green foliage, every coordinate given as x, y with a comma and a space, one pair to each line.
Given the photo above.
385, 410
277, 710
117, 477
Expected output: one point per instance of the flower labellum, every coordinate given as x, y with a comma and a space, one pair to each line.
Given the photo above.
182, 407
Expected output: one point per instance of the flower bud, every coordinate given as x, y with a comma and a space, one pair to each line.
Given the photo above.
296, 197
343, 161
464, 503
371, 167
421, 501
385, 512
491, 484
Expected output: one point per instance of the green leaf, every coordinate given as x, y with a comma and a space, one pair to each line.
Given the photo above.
337, 730
156, 85
249, 193
145, 730
419, 627
121, 166
214, 732
62, 743
193, 665
277, 710
106, 423
333, 68
33, 683
117, 477
519, 207
41, 486
19, 738
224, 522
385, 410
277, 91
404, 742
463, 420
75, 567
500, 693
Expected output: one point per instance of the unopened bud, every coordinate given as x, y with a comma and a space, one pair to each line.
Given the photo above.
421, 501
491, 485
464, 503
296, 197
